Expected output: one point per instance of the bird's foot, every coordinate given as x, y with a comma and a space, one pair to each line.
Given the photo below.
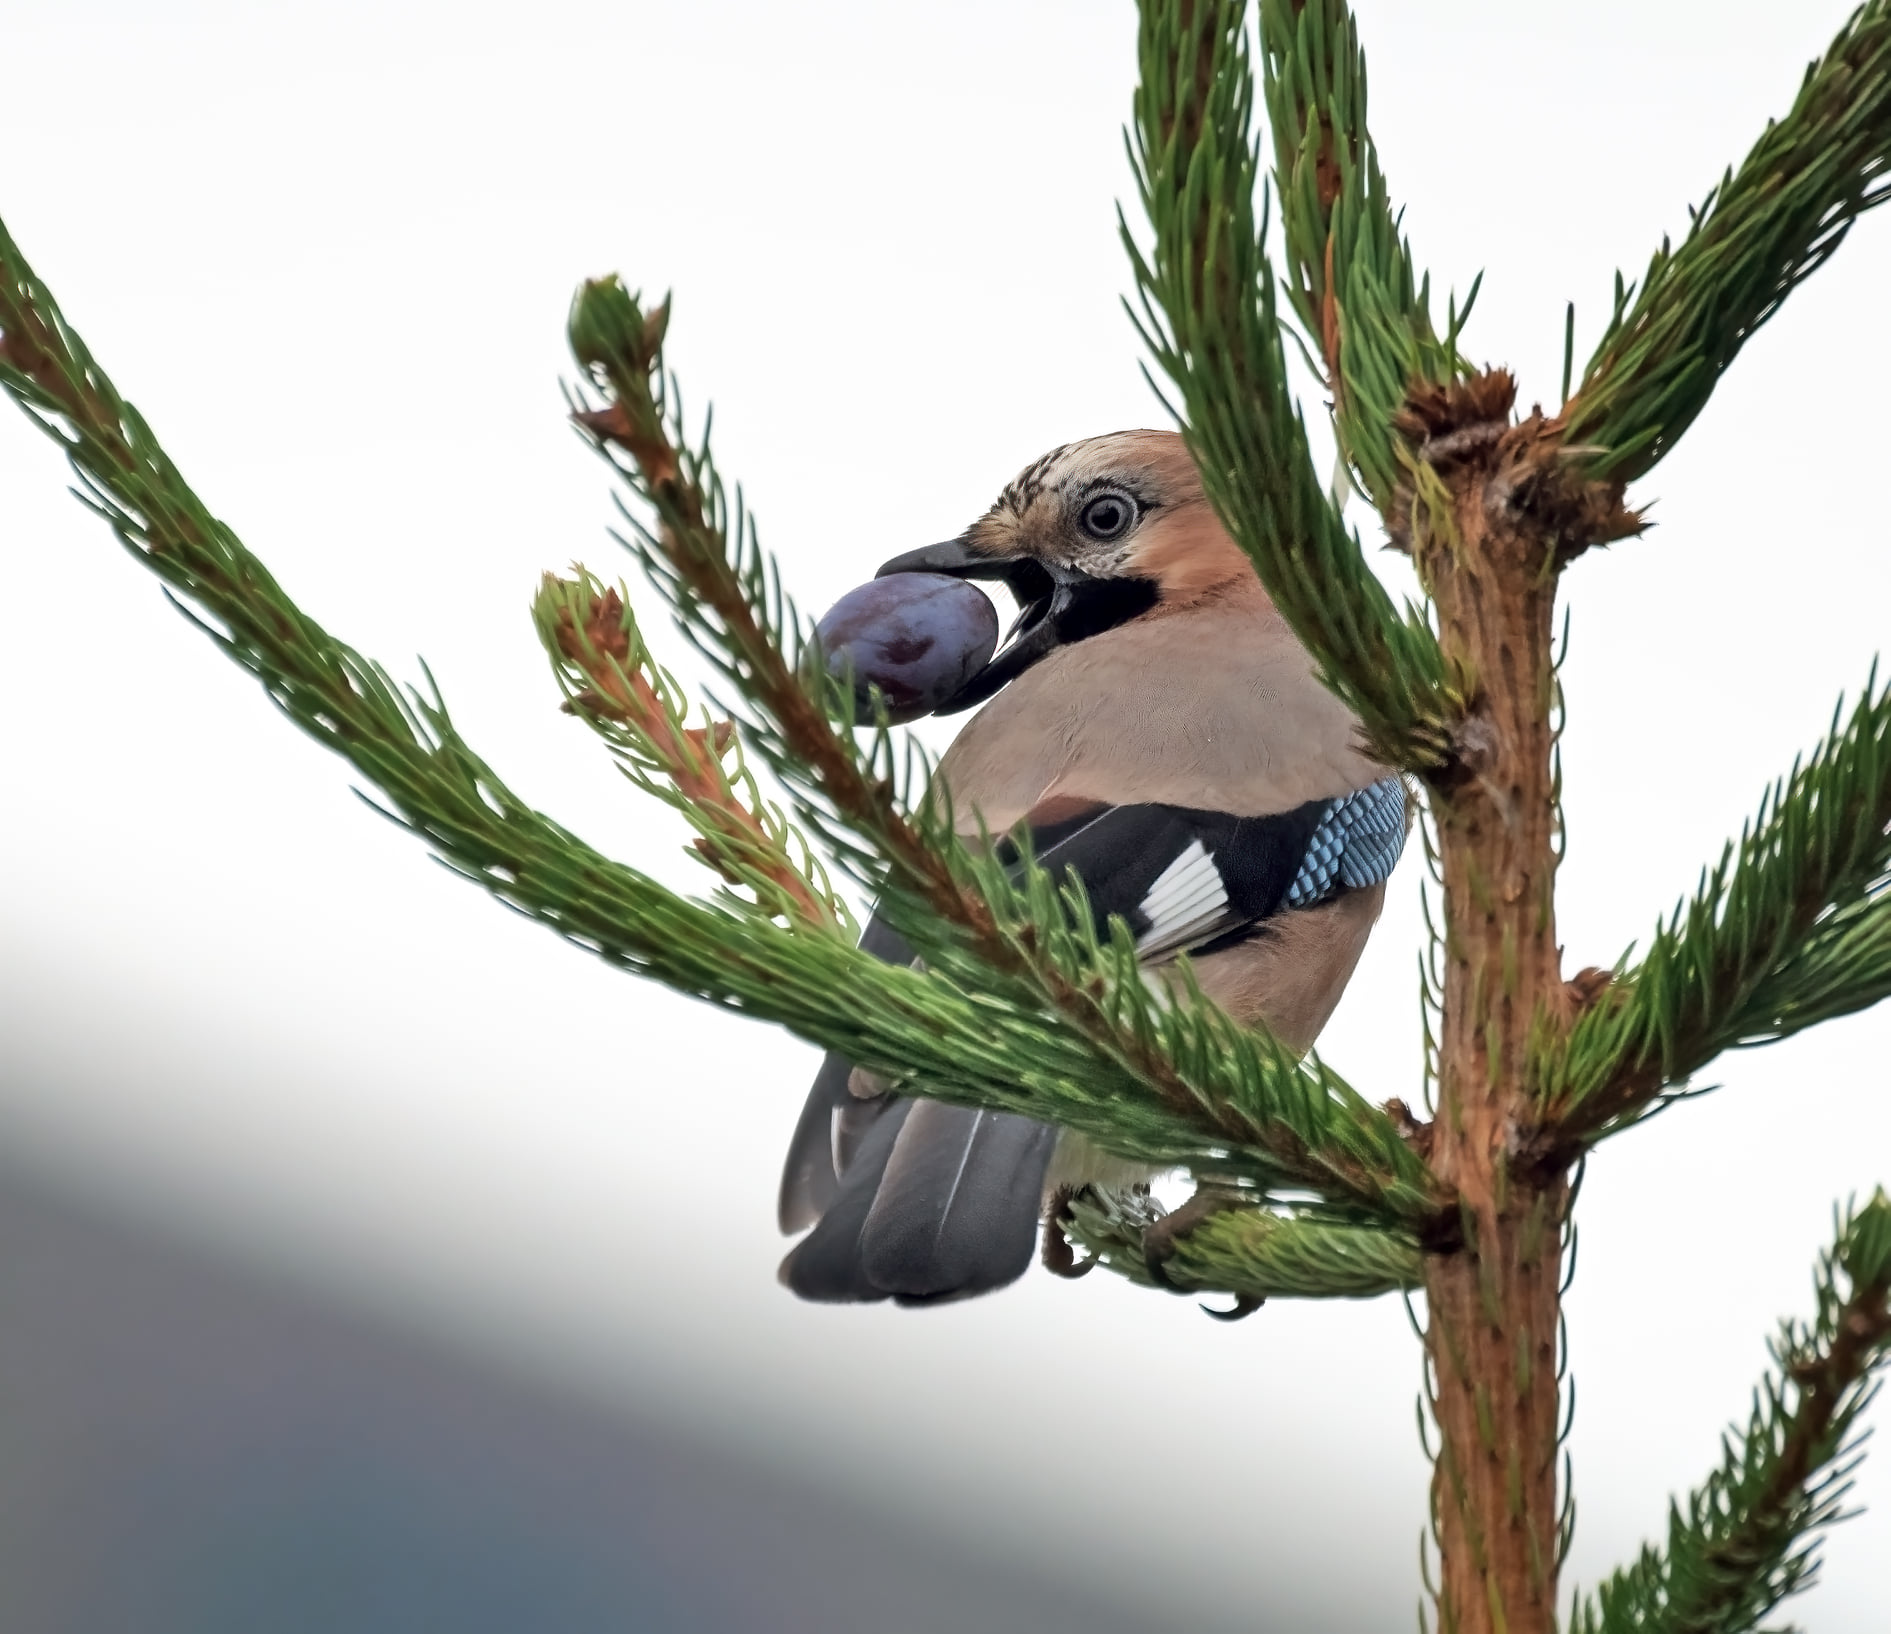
1159, 1240
1057, 1254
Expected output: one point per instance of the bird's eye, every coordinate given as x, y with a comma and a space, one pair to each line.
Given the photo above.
1108, 516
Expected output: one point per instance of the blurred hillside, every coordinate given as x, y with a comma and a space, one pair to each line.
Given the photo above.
186, 1448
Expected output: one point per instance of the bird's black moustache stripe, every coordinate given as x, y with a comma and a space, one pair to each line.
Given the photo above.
1097, 605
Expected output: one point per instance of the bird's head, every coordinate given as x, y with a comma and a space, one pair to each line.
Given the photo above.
1087, 538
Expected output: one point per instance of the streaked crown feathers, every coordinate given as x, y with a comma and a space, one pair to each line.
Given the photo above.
1126, 505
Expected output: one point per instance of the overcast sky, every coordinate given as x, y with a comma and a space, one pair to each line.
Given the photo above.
328, 251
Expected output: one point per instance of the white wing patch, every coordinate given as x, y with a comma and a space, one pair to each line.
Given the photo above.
1187, 899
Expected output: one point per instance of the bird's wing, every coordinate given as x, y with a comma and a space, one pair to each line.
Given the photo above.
1182, 878
1178, 876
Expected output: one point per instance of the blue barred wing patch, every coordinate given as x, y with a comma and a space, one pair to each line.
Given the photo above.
1357, 843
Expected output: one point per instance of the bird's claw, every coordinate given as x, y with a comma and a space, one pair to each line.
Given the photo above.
1159, 1240
1056, 1254
1245, 1305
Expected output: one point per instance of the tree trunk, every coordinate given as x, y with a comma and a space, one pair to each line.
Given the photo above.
1494, 1302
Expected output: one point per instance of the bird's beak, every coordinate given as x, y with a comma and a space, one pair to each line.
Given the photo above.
1056, 606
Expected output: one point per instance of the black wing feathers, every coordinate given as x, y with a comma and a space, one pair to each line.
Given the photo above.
1245, 864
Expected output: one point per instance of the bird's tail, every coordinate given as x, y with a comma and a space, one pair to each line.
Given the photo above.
911, 1200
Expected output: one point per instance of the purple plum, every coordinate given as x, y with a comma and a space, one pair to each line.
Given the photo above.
918, 637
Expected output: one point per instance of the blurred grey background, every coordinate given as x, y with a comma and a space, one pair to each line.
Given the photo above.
360, 1243
191, 1449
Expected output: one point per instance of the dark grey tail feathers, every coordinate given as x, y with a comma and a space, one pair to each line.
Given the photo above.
808, 1179
826, 1264
936, 1203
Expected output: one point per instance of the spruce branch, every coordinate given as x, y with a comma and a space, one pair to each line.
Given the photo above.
998, 925
1791, 926
1754, 239
1208, 311
1749, 1536
1253, 1253
1351, 281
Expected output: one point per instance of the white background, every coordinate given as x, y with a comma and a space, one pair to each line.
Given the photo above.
328, 251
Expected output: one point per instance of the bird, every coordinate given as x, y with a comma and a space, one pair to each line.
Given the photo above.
1159, 730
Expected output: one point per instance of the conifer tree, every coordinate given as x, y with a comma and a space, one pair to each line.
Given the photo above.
1320, 1189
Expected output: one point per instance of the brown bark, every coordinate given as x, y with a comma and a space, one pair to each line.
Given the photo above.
1494, 1303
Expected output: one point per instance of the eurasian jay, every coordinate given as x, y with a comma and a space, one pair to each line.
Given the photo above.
1160, 731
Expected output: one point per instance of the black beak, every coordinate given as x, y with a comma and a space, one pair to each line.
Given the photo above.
1056, 606
1025, 577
